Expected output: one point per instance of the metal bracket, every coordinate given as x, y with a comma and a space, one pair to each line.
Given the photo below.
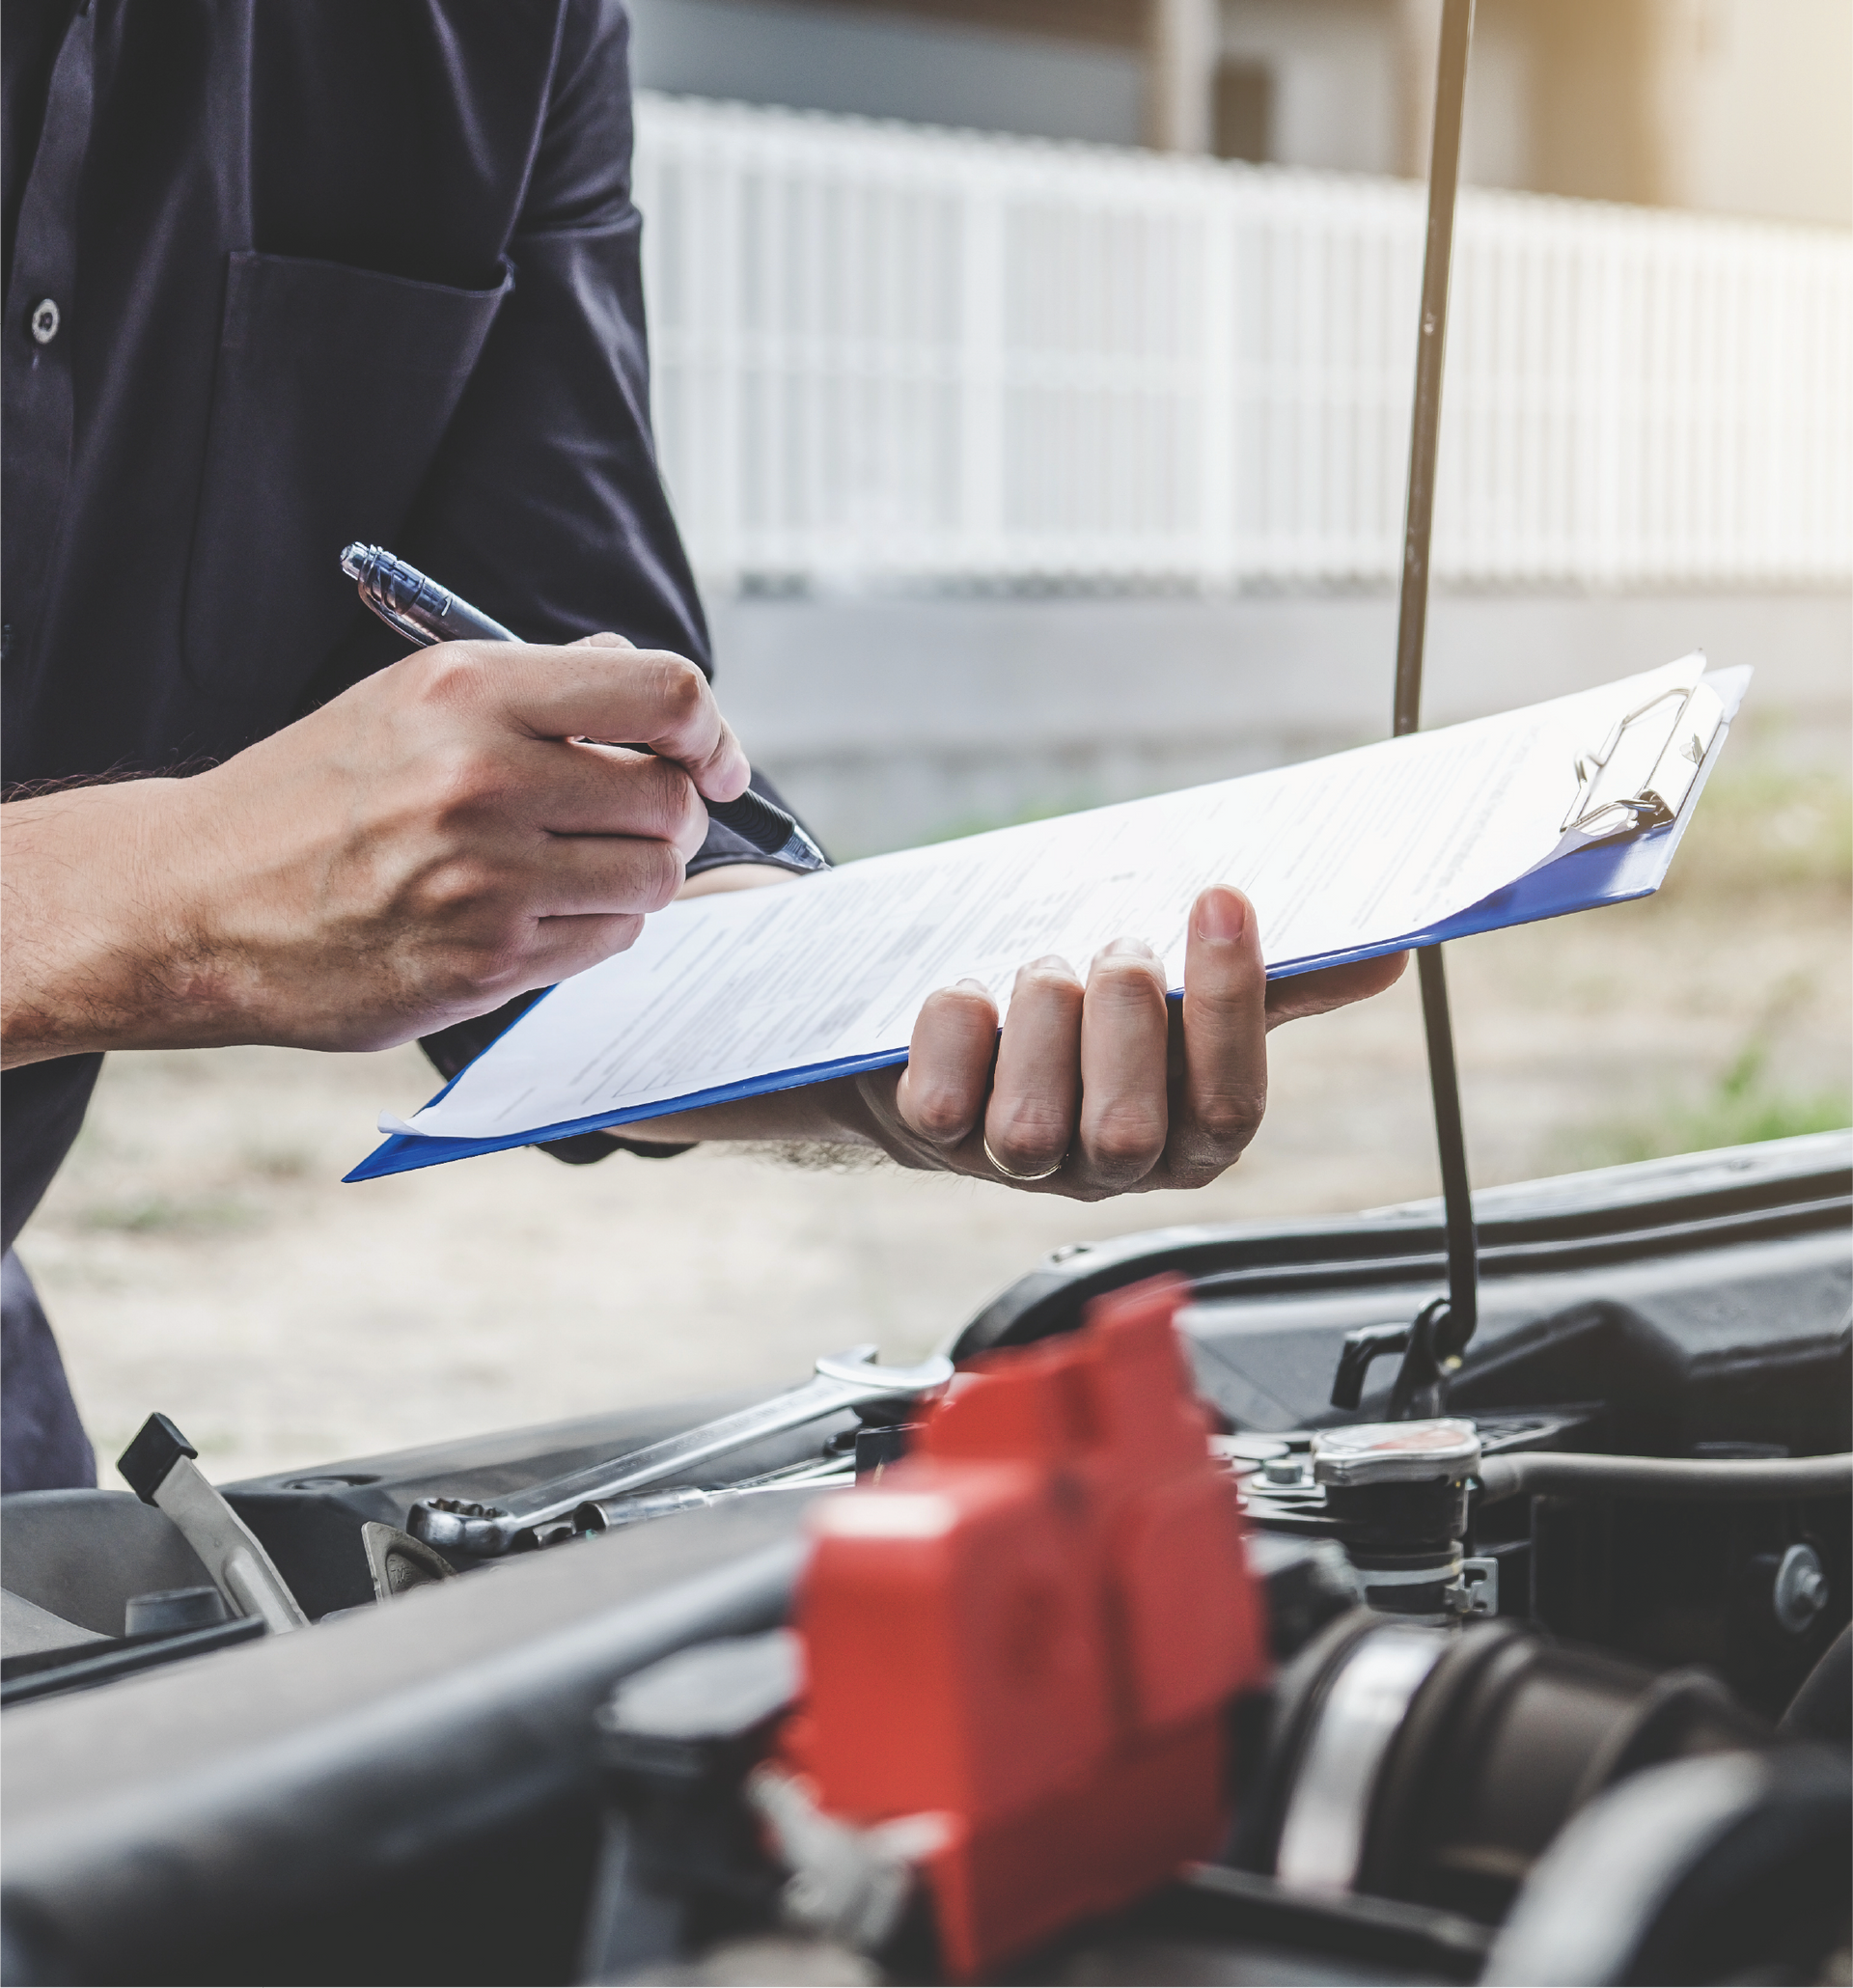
1479, 1587
159, 1468
1367, 1343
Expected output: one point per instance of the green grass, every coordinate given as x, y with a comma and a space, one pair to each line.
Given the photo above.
1762, 831
1765, 828
159, 1214
277, 1162
1741, 1108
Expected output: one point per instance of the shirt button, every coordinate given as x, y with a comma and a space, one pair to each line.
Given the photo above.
44, 320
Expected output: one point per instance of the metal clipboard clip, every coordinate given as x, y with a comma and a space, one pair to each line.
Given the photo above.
1646, 767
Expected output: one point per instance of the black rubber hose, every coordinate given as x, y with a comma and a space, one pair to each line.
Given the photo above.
1823, 1708
1748, 1854
1531, 1472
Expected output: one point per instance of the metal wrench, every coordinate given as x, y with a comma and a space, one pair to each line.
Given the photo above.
843, 1380
818, 1473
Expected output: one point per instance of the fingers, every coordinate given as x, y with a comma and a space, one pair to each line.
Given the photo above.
1333, 986
602, 791
580, 876
1093, 1090
949, 1064
1221, 1088
1030, 1121
595, 689
1124, 1038
1088, 1095
439, 836
563, 947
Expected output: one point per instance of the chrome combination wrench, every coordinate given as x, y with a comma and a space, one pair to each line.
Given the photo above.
850, 1379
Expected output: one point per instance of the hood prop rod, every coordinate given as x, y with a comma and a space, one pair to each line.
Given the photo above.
1432, 1344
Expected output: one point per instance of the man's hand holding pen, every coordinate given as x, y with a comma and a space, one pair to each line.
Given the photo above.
425, 845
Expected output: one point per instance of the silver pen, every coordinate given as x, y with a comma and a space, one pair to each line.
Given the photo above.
426, 613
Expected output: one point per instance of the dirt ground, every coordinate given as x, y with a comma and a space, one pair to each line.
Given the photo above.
200, 1256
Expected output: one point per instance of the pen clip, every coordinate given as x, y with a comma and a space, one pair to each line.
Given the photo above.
393, 619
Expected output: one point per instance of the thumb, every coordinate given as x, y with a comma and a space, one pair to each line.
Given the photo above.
605, 639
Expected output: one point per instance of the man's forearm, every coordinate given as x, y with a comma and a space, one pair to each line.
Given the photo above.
85, 961
832, 1113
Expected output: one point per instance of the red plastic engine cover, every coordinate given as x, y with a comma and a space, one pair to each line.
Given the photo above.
1030, 1629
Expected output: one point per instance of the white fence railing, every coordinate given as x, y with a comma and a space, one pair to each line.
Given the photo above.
891, 353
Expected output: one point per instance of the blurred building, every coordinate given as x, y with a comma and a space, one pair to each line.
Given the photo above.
1727, 106
1024, 474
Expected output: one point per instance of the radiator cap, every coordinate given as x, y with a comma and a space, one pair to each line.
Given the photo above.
1396, 1452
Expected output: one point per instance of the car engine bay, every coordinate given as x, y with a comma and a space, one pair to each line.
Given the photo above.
1058, 1657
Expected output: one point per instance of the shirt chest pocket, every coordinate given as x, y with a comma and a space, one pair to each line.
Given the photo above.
333, 389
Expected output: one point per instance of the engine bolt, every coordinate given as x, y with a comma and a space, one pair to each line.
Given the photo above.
1800, 1590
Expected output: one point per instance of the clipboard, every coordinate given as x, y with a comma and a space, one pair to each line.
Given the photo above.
1635, 792
1617, 846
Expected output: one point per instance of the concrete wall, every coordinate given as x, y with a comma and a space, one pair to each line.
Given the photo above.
892, 721
883, 65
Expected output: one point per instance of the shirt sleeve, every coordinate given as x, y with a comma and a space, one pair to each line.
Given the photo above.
546, 490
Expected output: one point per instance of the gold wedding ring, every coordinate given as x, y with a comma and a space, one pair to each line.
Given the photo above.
1009, 1175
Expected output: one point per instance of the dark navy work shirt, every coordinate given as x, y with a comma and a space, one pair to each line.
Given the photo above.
282, 274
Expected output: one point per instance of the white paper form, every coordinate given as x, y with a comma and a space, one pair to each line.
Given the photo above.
754, 990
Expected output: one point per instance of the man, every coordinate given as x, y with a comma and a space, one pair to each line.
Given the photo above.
284, 275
